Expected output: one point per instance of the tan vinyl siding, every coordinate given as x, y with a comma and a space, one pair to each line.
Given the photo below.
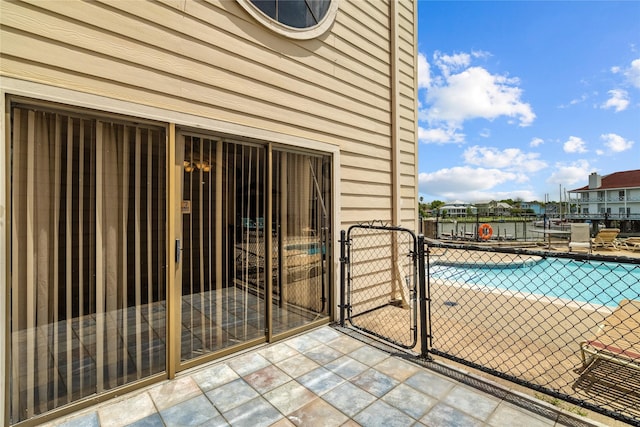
363, 28
407, 75
212, 59
354, 187
365, 176
379, 164
362, 201
406, 20
209, 67
194, 77
352, 216
179, 51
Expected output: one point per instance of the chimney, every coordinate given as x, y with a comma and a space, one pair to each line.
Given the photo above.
595, 181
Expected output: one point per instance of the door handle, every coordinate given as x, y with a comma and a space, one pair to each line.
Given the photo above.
178, 251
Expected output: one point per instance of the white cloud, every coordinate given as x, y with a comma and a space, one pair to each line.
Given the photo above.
633, 73
574, 145
579, 100
575, 101
616, 143
536, 142
485, 133
480, 54
511, 159
568, 174
475, 93
527, 195
619, 100
463, 179
440, 136
451, 63
424, 72
466, 183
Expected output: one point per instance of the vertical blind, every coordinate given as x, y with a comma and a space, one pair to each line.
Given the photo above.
223, 277
301, 197
88, 250
228, 259
88, 257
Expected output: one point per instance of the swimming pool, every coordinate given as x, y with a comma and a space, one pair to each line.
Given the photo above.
592, 282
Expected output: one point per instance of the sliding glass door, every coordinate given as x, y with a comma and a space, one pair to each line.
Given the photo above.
88, 263
301, 190
88, 285
222, 245
254, 242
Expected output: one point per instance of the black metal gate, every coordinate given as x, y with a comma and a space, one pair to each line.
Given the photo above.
380, 278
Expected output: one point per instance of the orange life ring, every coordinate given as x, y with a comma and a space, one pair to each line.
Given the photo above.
485, 232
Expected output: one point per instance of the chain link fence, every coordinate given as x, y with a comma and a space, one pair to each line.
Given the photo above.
565, 324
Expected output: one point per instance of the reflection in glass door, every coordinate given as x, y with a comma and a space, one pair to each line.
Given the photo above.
223, 284
302, 238
88, 257
237, 254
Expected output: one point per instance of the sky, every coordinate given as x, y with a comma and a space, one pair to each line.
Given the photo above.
522, 100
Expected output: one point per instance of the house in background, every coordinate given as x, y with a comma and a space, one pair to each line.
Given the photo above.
534, 208
613, 199
500, 209
494, 208
456, 210
176, 175
467, 209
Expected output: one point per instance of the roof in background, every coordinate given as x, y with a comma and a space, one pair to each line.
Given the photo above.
624, 179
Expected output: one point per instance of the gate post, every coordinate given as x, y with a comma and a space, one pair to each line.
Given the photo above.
423, 298
343, 262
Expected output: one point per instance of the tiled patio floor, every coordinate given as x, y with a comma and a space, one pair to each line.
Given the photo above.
321, 378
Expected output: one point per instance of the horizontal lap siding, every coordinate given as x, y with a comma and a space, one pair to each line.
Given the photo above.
407, 112
212, 59
369, 189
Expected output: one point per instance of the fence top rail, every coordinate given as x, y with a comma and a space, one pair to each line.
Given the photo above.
379, 225
532, 252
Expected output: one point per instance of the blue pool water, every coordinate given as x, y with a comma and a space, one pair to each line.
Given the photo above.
590, 282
